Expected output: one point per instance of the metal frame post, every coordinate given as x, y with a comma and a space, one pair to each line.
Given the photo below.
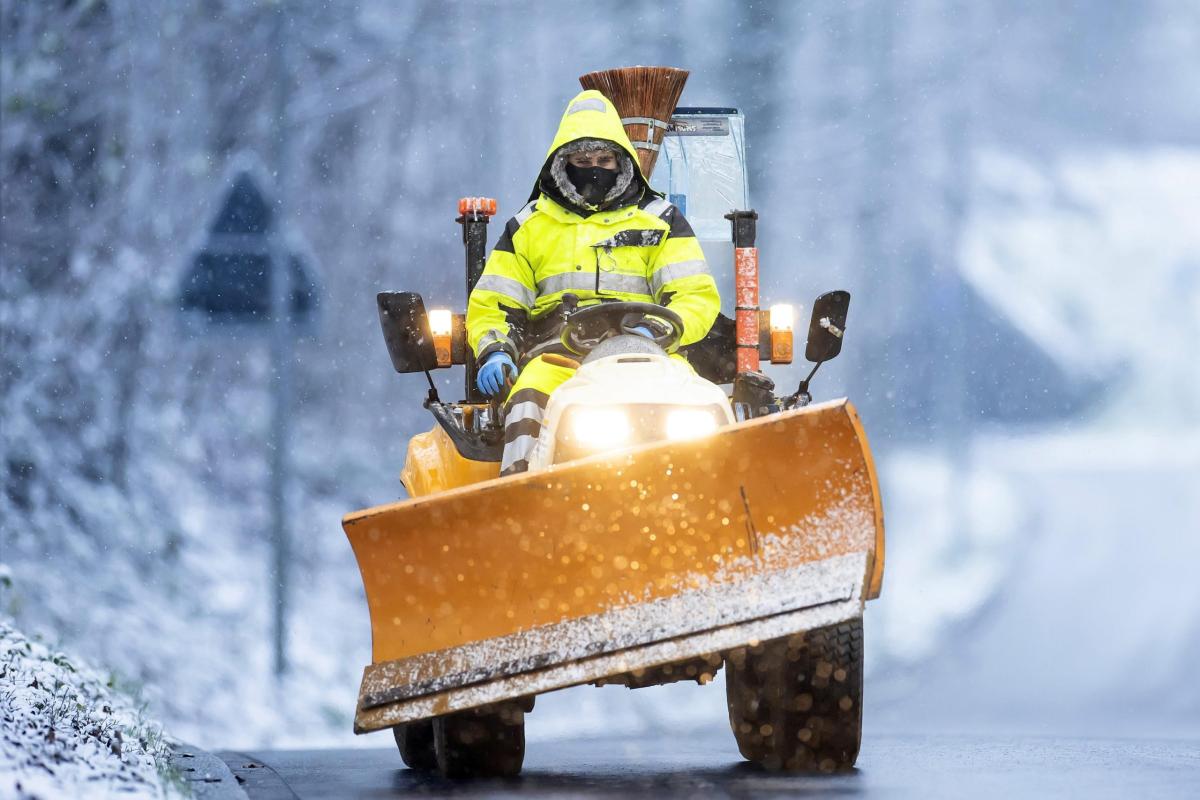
474, 213
745, 271
281, 359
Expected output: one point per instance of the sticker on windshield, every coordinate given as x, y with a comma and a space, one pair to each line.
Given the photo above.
699, 126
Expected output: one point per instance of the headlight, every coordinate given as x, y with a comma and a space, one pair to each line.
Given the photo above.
690, 423
600, 428
587, 430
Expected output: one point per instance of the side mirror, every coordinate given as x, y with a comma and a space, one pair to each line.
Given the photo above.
406, 331
827, 326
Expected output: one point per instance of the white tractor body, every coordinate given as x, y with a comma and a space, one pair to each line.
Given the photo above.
624, 400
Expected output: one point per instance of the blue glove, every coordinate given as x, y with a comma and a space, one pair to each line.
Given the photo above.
490, 379
643, 331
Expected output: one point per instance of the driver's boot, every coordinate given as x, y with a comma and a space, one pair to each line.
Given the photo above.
526, 407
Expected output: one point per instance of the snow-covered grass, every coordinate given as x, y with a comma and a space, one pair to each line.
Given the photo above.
67, 731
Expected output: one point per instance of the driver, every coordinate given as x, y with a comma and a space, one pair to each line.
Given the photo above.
593, 228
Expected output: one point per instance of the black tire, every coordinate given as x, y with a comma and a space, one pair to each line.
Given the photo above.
483, 742
415, 741
796, 703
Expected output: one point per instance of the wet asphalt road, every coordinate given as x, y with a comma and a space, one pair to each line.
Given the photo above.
999, 766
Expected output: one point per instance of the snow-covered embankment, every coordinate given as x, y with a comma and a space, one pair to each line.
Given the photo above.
66, 732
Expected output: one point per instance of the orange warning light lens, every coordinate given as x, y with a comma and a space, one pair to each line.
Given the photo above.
441, 325
782, 319
477, 205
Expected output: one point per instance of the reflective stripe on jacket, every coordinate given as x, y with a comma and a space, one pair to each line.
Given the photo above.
645, 252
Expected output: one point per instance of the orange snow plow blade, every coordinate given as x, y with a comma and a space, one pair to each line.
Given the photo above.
618, 562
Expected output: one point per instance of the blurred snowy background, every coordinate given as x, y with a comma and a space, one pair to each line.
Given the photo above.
1010, 190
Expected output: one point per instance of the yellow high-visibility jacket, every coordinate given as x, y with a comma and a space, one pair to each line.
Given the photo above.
645, 251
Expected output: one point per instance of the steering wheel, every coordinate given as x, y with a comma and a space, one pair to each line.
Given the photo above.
589, 326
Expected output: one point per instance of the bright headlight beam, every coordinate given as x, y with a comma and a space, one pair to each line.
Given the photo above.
781, 317
690, 423
441, 322
601, 428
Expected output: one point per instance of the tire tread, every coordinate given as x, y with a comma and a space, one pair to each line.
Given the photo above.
795, 703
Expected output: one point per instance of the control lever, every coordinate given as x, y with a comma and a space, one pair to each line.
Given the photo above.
496, 418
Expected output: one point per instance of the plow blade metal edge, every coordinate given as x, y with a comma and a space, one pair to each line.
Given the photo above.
615, 554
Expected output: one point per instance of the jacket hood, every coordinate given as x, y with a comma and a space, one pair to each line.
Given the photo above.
590, 116
567, 191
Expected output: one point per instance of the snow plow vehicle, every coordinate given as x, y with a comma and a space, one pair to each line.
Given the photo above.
665, 530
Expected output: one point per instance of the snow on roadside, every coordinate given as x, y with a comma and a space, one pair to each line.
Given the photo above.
66, 732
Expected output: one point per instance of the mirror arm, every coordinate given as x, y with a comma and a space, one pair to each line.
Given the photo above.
802, 397
433, 393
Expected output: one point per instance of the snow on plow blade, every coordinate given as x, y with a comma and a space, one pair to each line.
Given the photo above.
617, 563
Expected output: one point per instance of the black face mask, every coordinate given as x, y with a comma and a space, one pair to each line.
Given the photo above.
592, 183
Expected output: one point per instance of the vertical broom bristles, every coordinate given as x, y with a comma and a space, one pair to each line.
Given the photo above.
651, 92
